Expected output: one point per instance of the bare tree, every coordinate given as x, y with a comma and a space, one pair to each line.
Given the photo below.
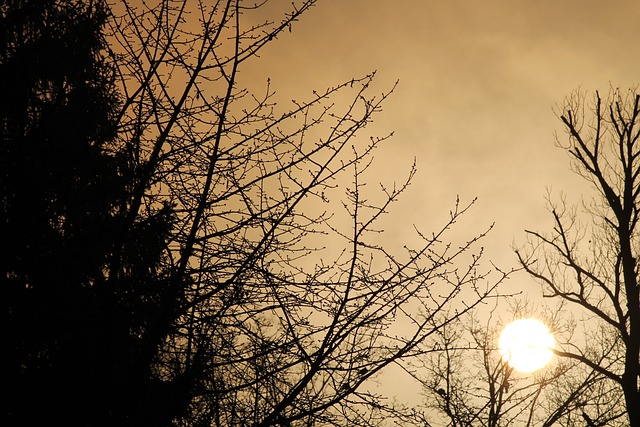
281, 300
593, 265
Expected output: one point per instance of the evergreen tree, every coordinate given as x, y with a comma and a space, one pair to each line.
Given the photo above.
72, 320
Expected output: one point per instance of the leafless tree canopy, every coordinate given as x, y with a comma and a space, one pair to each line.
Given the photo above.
286, 301
590, 258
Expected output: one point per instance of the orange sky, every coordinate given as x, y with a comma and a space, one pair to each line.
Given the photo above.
478, 81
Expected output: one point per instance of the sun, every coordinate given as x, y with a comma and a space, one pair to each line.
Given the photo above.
526, 344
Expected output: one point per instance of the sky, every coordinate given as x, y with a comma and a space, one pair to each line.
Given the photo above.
478, 82
478, 85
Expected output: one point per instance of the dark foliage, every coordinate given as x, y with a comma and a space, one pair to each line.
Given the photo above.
63, 192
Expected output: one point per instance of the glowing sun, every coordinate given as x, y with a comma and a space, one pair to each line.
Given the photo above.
526, 344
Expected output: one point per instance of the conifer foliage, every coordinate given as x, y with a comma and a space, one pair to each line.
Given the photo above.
63, 193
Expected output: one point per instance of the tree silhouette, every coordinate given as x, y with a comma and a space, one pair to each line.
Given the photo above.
184, 250
593, 266
74, 333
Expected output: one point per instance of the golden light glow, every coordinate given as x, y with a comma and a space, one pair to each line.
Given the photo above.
526, 344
